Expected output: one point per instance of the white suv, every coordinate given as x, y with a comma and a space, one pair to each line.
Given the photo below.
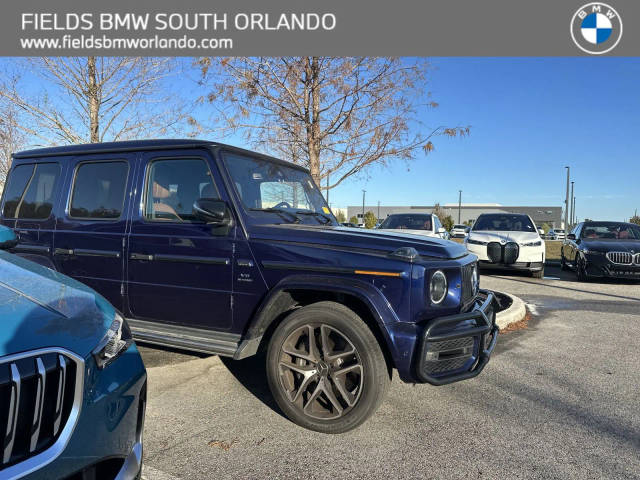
507, 240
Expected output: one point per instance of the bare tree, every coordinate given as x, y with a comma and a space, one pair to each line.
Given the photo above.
337, 116
11, 139
95, 99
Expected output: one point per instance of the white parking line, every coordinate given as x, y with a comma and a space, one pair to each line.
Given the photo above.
150, 473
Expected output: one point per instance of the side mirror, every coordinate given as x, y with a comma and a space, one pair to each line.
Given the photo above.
212, 211
442, 230
571, 236
8, 238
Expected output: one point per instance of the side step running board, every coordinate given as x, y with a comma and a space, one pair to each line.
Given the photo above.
187, 338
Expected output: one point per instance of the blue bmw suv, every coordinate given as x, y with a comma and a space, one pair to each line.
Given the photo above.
222, 250
72, 384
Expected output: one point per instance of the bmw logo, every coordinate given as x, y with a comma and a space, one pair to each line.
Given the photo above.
596, 28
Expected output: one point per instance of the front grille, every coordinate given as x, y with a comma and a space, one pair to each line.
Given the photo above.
510, 253
38, 392
620, 258
468, 290
494, 252
503, 253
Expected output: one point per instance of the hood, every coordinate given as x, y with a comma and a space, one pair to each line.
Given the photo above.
517, 237
358, 238
42, 308
613, 245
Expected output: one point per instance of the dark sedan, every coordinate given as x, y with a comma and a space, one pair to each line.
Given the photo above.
603, 249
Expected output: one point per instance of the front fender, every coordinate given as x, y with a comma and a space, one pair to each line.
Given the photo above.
278, 298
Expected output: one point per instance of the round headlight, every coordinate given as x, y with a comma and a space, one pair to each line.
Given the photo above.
438, 287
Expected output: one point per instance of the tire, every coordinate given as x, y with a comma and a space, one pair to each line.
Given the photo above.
538, 274
317, 393
580, 270
563, 263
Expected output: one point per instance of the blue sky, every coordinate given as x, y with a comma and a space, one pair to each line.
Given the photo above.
529, 118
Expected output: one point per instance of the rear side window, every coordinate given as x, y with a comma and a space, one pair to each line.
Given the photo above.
173, 186
31, 190
98, 190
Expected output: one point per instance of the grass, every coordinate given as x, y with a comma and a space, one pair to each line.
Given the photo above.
552, 248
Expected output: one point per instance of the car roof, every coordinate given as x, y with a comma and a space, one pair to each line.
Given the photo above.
138, 145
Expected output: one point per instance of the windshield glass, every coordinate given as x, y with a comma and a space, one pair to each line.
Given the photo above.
266, 185
409, 222
503, 223
610, 231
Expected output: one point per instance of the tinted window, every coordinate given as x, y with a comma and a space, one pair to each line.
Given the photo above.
31, 190
98, 190
409, 222
504, 223
611, 231
173, 186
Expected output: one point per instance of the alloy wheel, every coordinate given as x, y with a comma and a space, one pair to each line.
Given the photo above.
320, 371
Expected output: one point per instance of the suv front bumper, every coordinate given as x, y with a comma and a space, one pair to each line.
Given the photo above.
458, 347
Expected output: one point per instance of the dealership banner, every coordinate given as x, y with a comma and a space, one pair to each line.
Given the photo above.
339, 27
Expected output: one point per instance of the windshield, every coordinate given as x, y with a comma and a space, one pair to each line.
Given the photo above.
610, 231
409, 222
503, 223
264, 185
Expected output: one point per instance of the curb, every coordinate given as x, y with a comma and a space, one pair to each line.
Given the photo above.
516, 312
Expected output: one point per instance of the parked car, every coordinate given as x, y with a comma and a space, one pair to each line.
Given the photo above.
507, 240
423, 224
349, 224
602, 249
556, 234
460, 231
72, 384
222, 250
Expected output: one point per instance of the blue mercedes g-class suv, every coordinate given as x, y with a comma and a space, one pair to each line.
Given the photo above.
218, 249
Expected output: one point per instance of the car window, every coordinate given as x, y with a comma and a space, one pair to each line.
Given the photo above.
409, 222
266, 184
273, 193
99, 190
504, 223
30, 191
173, 186
611, 231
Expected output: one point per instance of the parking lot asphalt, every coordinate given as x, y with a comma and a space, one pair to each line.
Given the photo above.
558, 400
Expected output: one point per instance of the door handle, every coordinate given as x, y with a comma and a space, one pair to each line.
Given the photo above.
63, 251
141, 256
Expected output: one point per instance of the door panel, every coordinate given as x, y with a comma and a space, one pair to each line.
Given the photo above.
90, 236
179, 269
31, 194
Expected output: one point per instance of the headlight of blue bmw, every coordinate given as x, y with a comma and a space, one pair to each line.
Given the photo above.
476, 242
592, 252
536, 243
116, 340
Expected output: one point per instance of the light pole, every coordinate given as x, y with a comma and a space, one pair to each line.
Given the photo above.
363, 193
459, 205
571, 204
566, 202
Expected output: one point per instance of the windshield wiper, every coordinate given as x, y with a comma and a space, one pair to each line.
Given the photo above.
326, 219
279, 211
